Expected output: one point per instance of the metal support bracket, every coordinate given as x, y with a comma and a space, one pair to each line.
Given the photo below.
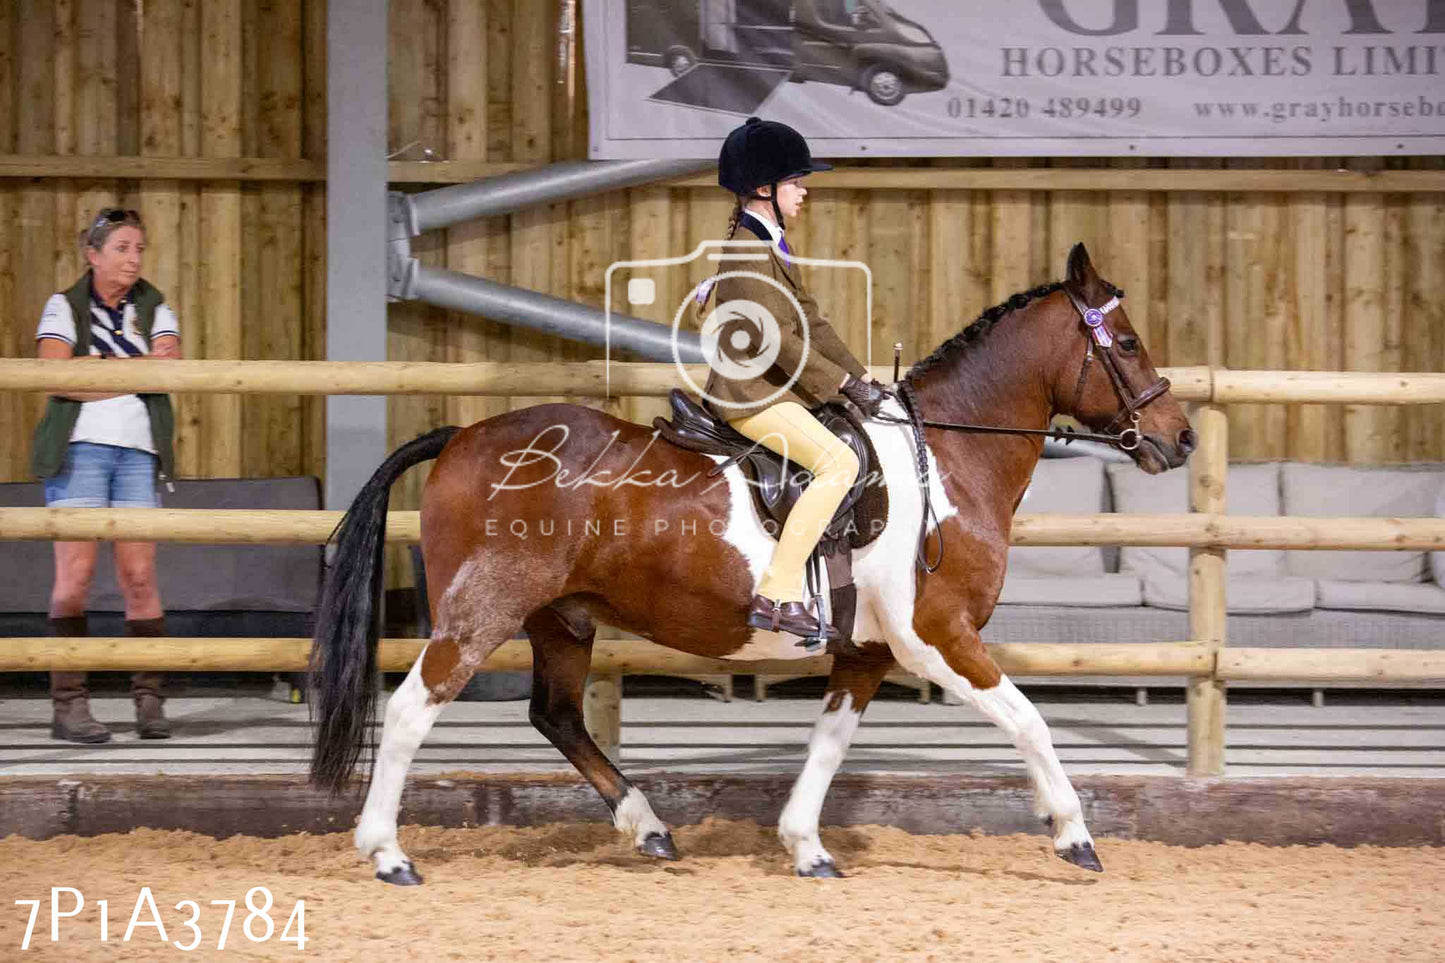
401, 267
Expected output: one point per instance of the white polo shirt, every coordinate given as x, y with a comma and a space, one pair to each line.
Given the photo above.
121, 421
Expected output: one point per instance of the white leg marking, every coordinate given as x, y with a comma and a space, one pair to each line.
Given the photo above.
1006, 707
798, 825
408, 719
634, 815
886, 591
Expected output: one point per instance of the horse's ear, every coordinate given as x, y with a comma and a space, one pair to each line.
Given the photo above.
1081, 269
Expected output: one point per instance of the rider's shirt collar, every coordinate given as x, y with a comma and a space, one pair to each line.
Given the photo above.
774, 232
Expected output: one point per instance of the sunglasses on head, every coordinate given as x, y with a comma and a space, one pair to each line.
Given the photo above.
116, 215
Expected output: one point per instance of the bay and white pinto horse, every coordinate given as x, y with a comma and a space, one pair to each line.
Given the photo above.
556, 518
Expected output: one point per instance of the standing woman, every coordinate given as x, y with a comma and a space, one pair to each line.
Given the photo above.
96, 449
762, 163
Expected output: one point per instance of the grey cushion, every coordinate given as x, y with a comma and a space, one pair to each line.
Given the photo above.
1318, 628
1062, 486
1249, 594
258, 578
1437, 559
1342, 490
1249, 490
1093, 591
1380, 596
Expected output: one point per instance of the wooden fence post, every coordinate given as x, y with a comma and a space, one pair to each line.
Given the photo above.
1206, 700
602, 712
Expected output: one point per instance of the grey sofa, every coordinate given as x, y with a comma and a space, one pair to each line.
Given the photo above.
1274, 598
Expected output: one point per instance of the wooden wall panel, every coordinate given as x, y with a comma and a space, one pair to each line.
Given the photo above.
649, 235
1255, 321
1196, 275
958, 257
111, 77
595, 237
416, 59
221, 229
67, 203
1012, 267
1305, 425
1370, 431
1423, 307
182, 107
1125, 255
1075, 216
313, 214
34, 222
469, 338
537, 230
88, 119
272, 255
8, 39
952, 263
129, 29
588, 242
898, 257
160, 136
839, 226
13, 340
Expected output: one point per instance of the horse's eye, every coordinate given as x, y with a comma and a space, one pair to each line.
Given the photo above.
1129, 345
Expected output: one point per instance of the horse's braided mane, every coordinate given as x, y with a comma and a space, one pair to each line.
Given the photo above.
985, 322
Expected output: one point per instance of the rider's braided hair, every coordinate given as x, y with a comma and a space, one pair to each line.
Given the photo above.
736, 218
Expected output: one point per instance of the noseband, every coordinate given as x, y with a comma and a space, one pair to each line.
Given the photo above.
1097, 332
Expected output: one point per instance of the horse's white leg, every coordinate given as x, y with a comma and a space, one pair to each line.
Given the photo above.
1054, 797
470, 624
435, 678
798, 825
851, 685
409, 717
1006, 707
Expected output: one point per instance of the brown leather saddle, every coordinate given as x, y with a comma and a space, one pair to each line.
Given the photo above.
776, 484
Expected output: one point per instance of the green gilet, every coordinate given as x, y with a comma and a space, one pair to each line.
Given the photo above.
52, 435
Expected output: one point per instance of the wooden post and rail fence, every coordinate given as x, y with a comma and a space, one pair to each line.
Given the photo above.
1205, 659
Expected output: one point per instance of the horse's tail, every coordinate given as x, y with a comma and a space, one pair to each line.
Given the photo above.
343, 658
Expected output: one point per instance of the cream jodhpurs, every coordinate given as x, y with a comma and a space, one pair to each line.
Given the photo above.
788, 429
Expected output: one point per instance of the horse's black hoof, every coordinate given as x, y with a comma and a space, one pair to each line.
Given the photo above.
823, 869
403, 875
658, 846
1081, 855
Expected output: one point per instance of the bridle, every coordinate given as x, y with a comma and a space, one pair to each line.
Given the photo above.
1096, 332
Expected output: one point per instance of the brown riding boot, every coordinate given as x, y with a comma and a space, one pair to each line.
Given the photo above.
145, 687
73, 721
793, 617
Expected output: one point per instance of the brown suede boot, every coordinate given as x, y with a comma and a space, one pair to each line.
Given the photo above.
145, 687
73, 721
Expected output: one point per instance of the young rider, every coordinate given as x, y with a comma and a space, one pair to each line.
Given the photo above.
762, 164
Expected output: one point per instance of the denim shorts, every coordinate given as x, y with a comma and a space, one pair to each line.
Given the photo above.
100, 476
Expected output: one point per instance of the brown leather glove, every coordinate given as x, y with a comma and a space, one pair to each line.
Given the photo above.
867, 396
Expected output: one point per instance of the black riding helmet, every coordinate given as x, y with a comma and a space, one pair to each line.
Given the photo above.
764, 152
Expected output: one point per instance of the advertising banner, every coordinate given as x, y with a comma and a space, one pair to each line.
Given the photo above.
869, 78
